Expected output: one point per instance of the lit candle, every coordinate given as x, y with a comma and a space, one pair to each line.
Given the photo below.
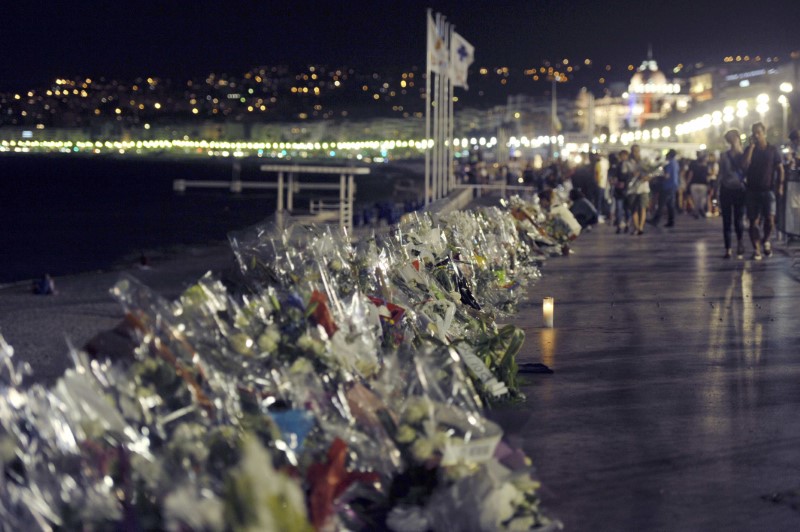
547, 311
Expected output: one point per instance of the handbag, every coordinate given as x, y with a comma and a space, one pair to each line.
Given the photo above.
735, 179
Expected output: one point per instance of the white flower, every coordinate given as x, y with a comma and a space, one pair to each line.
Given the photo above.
301, 366
306, 342
405, 434
417, 409
499, 506
407, 519
269, 339
521, 524
271, 500
184, 508
241, 343
355, 350
100, 503
422, 449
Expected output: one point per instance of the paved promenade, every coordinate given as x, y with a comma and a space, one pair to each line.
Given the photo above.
675, 402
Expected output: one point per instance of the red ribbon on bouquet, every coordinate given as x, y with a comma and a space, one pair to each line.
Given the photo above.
321, 315
329, 480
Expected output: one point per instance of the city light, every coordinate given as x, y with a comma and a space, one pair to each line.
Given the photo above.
651, 100
222, 148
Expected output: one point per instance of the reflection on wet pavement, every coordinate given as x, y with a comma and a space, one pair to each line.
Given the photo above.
675, 402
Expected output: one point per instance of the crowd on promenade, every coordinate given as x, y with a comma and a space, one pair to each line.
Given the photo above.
743, 184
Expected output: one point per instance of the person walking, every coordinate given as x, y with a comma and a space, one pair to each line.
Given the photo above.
730, 191
764, 177
620, 178
601, 166
669, 190
640, 193
698, 185
713, 175
684, 198
793, 157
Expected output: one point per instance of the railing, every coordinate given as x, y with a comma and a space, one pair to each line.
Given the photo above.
287, 186
503, 188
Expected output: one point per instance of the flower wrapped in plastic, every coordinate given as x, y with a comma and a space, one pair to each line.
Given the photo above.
490, 357
493, 263
295, 257
491, 497
363, 370
108, 447
259, 498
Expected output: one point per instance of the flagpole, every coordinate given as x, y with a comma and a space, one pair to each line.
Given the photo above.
443, 77
427, 108
451, 128
444, 108
435, 148
446, 113
436, 123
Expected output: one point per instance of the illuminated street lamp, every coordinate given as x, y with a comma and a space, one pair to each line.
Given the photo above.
716, 121
785, 88
762, 105
741, 112
784, 101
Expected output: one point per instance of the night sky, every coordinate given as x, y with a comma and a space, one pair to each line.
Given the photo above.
40, 41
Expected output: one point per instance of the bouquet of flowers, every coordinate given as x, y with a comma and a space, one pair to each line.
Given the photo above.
330, 386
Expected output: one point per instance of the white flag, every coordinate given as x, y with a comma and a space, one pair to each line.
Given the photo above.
437, 52
462, 54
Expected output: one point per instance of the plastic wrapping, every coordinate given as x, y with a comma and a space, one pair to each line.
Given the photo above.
334, 386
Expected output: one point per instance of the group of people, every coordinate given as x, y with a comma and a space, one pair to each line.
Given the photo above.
745, 180
624, 188
751, 180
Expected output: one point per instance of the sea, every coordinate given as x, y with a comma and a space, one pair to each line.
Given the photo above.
63, 214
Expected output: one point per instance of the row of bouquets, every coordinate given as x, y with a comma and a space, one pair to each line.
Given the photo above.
328, 385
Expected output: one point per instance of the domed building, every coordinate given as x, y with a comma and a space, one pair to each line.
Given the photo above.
651, 95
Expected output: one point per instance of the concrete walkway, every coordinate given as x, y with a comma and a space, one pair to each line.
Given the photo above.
675, 402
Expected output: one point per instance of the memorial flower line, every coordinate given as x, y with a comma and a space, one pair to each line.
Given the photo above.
327, 385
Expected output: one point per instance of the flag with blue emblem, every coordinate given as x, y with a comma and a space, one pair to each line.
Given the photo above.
462, 54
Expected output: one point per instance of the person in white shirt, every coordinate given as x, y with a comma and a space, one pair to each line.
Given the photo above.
601, 178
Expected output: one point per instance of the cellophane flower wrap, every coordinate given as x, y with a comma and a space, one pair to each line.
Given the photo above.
324, 385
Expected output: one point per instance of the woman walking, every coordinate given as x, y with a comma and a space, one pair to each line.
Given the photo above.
698, 184
640, 195
730, 191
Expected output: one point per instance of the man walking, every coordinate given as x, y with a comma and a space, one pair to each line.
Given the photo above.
764, 176
669, 189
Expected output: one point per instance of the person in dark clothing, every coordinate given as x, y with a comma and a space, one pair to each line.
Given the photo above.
45, 286
528, 175
730, 191
668, 190
583, 210
583, 180
793, 157
697, 178
764, 177
552, 176
619, 182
